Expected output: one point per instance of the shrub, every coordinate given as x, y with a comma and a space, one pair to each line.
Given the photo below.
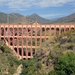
65, 65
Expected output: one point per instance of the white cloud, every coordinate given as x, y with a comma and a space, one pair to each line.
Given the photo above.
53, 15
50, 15
24, 4
47, 3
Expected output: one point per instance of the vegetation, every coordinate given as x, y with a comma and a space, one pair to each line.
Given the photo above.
8, 62
65, 65
54, 57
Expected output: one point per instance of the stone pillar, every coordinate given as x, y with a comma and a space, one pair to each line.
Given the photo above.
31, 42
45, 32
13, 36
59, 29
35, 37
26, 41
4, 32
69, 27
40, 34
54, 30
64, 28
18, 39
9, 35
50, 30
22, 43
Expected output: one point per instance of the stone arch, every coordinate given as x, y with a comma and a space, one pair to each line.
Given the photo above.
52, 28
52, 31
67, 29
2, 31
15, 50
20, 51
72, 28
43, 29
57, 31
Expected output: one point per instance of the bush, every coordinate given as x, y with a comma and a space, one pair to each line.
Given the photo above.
2, 49
65, 65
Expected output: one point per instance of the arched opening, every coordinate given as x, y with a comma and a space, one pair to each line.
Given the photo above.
47, 29
24, 58
72, 28
52, 31
28, 58
20, 51
2, 38
67, 29
15, 42
20, 31
28, 29
2, 31
29, 41
15, 49
43, 29
52, 28
38, 41
11, 43
11, 31
24, 49
29, 54
33, 51
42, 40
15, 31
57, 31
11, 39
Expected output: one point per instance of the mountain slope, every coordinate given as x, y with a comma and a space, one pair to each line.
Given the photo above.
8, 62
47, 55
17, 18
39, 19
67, 19
14, 18
3, 17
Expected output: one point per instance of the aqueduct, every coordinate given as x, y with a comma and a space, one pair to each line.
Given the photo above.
25, 39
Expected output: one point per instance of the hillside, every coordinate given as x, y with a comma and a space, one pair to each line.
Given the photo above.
17, 18
46, 61
8, 62
39, 19
14, 18
66, 19
48, 58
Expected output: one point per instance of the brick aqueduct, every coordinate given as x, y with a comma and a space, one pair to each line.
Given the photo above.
25, 39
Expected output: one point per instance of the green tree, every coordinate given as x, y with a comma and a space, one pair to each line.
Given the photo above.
65, 65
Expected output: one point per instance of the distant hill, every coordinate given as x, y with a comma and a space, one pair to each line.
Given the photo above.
14, 18
3, 17
21, 19
66, 19
18, 18
39, 19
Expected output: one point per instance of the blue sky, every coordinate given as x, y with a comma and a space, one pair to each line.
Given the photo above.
45, 8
